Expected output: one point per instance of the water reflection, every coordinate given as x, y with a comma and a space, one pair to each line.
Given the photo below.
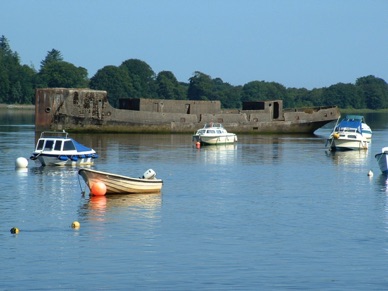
382, 182
16, 116
135, 201
218, 154
98, 207
355, 158
61, 174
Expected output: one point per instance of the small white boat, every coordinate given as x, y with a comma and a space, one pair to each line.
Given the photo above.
382, 160
118, 184
351, 133
56, 148
214, 133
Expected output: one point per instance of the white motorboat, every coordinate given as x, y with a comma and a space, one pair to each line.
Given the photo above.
351, 133
56, 148
366, 131
382, 160
214, 133
119, 184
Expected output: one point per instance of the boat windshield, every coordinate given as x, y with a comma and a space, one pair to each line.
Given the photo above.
48, 146
58, 145
68, 146
40, 144
207, 125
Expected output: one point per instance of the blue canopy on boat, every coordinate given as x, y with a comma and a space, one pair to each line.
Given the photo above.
80, 147
351, 123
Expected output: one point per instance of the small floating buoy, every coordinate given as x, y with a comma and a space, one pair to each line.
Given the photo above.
98, 189
197, 144
14, 230
21, 163
370, 173
75, 225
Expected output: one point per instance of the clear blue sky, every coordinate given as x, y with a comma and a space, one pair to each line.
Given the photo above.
298, 43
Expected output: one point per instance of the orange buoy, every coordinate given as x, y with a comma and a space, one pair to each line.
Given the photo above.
98, 189
198, 144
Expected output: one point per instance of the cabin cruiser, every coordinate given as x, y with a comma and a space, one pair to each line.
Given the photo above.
351, 133
56, 148
213, 134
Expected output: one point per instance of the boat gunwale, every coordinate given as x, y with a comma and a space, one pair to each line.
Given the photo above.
152, 181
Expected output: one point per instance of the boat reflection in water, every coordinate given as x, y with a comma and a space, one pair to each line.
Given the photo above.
355, 158
218, 154
382, 182
150, 201
131, 205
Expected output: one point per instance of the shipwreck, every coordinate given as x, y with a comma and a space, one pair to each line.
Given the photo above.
86, 110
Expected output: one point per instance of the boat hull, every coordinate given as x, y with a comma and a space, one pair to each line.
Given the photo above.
382, 160
214, 140
55, 160
347, 144
118, 184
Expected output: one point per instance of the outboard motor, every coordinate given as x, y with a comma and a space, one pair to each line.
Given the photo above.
149, 174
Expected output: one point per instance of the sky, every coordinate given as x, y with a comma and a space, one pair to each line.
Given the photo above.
297, 43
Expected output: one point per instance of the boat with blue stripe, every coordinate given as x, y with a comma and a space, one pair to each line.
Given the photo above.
56, 148
351, 133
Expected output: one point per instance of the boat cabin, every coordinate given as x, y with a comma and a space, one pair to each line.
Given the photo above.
211, 128
58, 141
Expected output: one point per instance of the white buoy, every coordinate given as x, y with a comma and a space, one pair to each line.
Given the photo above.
370, 173
21, 163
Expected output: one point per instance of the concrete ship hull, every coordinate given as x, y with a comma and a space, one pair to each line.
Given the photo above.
86, 110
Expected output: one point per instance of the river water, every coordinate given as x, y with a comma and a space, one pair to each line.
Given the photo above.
273, 212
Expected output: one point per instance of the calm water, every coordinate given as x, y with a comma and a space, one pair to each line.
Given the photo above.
270, 213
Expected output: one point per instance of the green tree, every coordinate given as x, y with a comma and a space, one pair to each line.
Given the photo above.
27, 81
142, 78
228, 95
115, 81
200, 87
374, 91
168, 87
62, 74
53, 56
342, 95
261, 90
295, 95
16, 81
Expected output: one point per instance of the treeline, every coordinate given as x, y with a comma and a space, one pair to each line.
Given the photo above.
136, 79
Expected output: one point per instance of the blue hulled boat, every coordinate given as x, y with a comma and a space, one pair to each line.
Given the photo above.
58, 149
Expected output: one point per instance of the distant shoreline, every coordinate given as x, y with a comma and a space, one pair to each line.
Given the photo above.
17, 106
